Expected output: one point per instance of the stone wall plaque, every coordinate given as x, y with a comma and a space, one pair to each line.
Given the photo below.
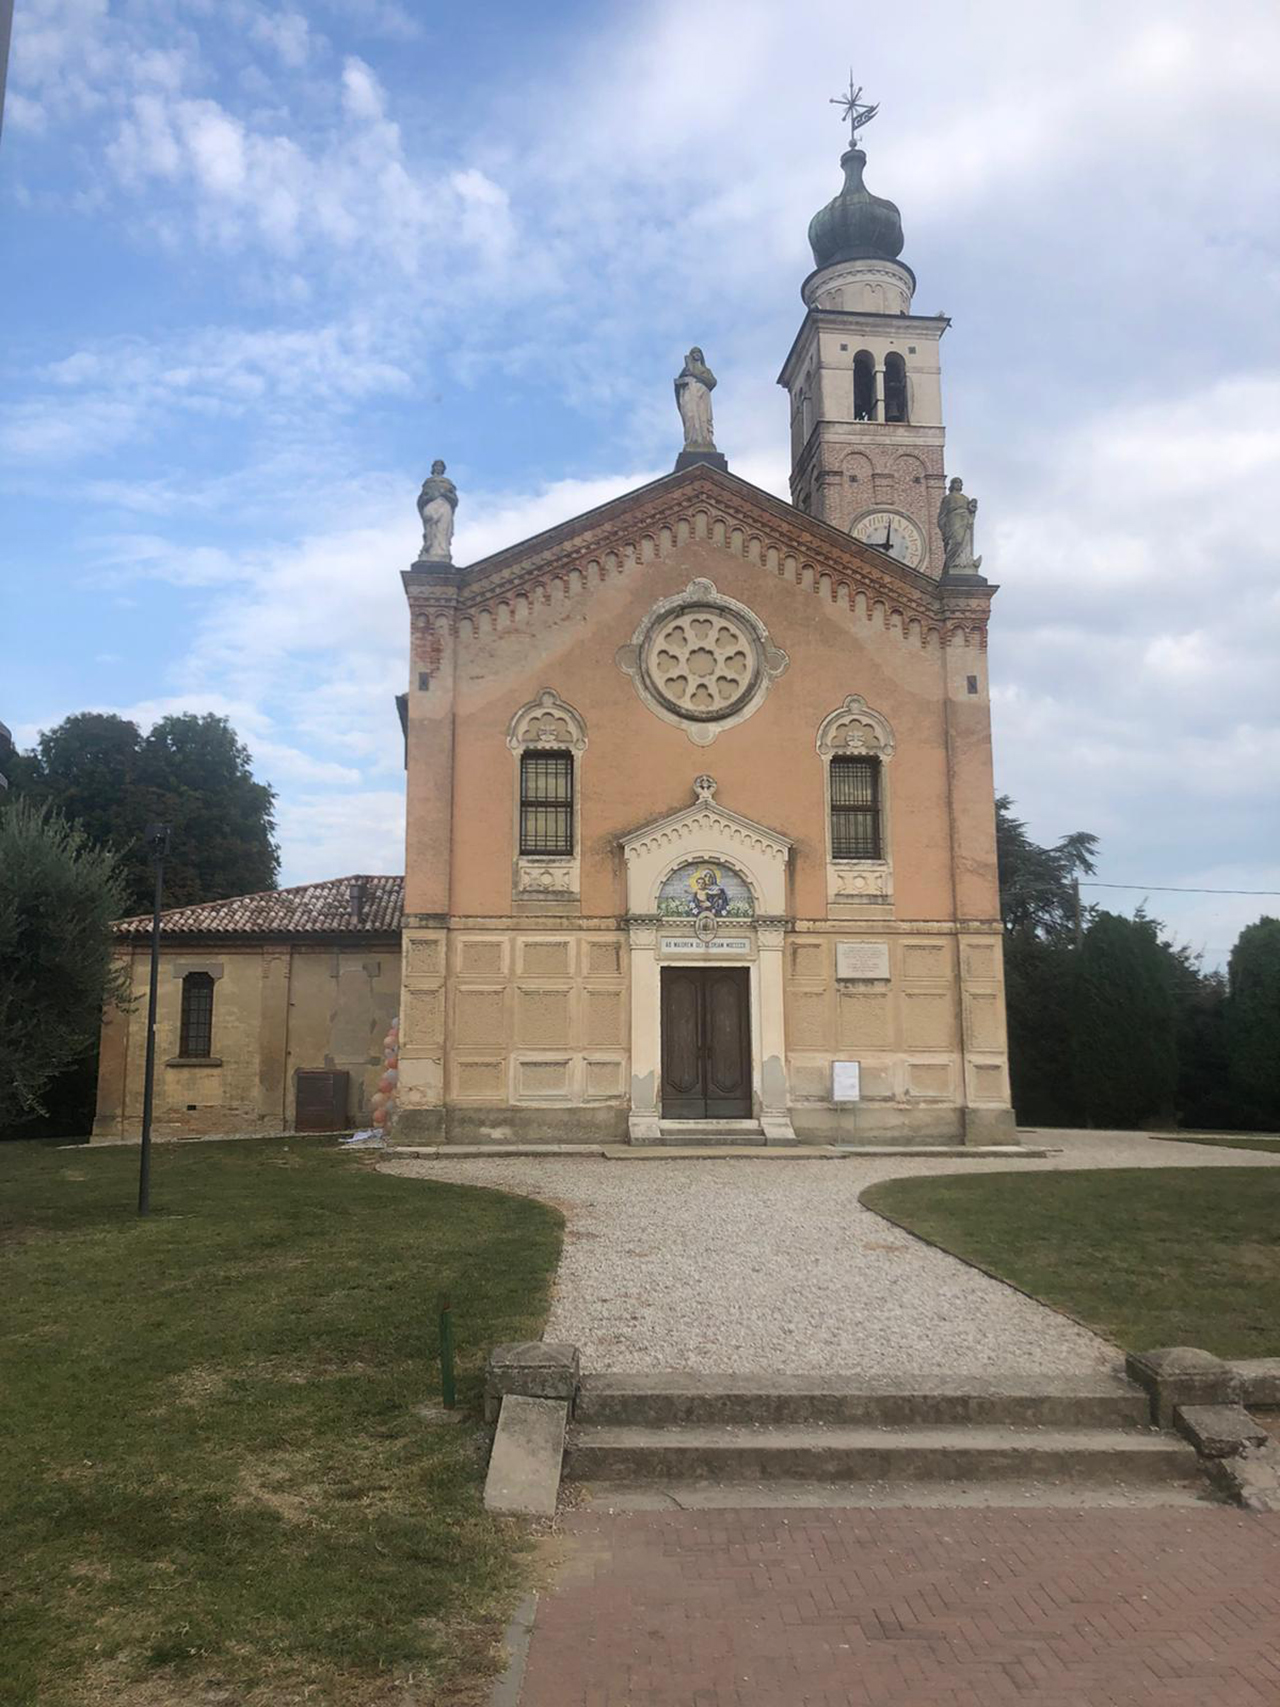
862, 962
846, 1081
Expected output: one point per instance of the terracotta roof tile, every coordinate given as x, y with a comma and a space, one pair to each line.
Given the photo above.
310, 909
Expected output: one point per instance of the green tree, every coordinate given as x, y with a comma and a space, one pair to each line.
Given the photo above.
1252, 1014
1038, 906
1123, 1023
190, 772
1037, 892
59, 894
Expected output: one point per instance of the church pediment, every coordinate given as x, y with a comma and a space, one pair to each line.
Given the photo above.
705, 835
707, 505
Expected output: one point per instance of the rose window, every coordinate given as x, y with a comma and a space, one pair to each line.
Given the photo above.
702, 662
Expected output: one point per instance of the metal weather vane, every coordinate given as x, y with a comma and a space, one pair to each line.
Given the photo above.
857, 111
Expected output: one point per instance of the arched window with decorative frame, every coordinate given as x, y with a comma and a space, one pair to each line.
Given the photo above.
855, 744
548, 738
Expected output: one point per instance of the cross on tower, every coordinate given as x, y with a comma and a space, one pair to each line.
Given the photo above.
857, 111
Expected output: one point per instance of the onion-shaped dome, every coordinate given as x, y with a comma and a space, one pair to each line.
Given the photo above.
855, 225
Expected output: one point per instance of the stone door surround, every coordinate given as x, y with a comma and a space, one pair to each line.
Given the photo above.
759, 856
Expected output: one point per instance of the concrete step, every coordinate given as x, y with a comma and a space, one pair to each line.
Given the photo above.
975, 1453
702, 1134
690, 1400
982, 1495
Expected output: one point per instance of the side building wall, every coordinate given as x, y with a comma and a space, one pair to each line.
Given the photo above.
277, 1008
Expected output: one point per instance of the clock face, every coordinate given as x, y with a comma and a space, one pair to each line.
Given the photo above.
893, 533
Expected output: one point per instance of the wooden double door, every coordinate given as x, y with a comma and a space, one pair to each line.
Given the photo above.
706, 1043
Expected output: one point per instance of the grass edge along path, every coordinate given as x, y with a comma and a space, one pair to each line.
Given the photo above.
223, 1478
1143, 1257
1220, 1141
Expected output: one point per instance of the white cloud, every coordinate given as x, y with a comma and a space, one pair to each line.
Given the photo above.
288, 33
361, 92
326, 835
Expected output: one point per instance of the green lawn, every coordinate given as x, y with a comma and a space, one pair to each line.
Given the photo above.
1145, 1256
217, 1485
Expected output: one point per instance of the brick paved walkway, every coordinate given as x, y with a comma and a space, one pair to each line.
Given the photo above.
909, 1608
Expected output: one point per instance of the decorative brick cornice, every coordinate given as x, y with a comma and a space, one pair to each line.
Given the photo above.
702, 504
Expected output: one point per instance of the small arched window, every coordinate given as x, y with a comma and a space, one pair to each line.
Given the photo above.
196, 1035
855, 807
546, 802
895, 388
864, 386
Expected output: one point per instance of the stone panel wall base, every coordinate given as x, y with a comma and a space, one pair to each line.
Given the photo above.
877, 1123
990, 1126
418, 1126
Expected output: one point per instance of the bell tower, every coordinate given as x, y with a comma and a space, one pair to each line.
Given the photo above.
864, 378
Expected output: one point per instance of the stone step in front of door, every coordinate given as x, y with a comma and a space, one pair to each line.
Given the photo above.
678, 1399
963, 1454
703, 1133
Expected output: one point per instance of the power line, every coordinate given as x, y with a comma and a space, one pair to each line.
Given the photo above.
1172, 889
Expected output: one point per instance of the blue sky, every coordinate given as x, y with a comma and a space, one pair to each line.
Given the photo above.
264, 262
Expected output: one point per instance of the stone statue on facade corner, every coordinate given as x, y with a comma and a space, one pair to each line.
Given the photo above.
437, 501
694, 385
955, 524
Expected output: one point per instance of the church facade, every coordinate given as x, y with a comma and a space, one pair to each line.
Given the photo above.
700, 828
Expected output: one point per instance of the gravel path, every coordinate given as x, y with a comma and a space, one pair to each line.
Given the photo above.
756, 1266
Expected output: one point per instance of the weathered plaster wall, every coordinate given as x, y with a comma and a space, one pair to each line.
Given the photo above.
276, 1008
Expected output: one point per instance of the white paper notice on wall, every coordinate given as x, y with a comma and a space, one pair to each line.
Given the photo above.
862, 960
846, 1081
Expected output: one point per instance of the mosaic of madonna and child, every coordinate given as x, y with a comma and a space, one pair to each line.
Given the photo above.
693, 890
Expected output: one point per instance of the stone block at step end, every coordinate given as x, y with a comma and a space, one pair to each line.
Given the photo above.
1219, 1431
533, 1369
1182, 1375
528, 1450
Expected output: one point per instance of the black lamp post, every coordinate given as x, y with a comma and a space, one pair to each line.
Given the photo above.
157, 840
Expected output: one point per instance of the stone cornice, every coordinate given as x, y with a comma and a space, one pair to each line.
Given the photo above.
702, 504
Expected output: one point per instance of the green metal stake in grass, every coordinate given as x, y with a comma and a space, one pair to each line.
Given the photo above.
448, 1393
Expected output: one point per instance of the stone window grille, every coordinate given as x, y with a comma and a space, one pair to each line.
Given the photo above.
196, 1034
855, 807
546, 803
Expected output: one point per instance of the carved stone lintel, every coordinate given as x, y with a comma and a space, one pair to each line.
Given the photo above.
547, 721
855, 728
